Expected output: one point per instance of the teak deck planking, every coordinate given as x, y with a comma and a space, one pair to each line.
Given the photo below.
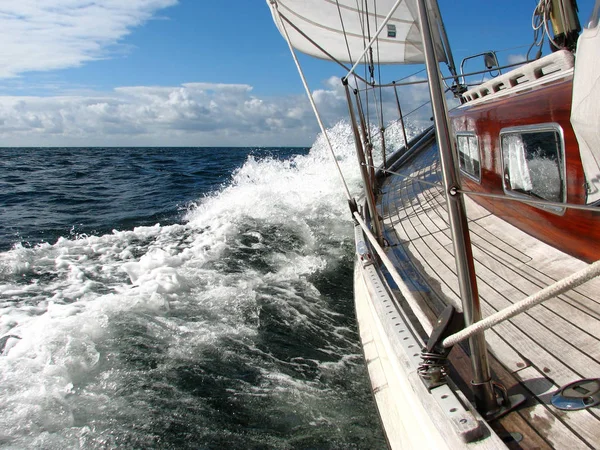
541, 349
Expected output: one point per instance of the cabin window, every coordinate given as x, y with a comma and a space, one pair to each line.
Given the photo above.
468, 155
533, 159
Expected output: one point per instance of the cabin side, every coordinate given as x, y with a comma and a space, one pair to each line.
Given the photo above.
514, 139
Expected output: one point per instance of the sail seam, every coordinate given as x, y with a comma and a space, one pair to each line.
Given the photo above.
357, 10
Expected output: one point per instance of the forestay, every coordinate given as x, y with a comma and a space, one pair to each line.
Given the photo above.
343, 28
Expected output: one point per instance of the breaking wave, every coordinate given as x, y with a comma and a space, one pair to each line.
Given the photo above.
233, 327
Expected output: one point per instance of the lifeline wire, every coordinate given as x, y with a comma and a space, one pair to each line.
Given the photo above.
530, 201
407, 177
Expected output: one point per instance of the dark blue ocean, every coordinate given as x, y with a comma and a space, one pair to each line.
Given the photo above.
179, 298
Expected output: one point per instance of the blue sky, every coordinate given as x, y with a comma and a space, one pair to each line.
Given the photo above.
188, 72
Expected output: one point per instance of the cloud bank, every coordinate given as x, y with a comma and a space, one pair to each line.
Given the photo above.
193, 114
57, 34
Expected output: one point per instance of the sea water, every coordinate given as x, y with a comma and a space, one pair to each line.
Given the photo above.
180, 298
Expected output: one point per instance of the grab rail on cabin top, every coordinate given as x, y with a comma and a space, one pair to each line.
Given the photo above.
400, 82
529, 201
559, 62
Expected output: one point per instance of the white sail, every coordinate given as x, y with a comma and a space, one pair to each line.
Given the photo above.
342, 28
585, 111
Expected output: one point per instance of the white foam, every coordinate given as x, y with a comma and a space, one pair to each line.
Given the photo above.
62, 299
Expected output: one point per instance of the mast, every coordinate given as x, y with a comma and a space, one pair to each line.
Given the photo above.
565, 24
485, 398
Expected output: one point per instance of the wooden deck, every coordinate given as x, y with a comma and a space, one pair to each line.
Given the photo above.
534, 353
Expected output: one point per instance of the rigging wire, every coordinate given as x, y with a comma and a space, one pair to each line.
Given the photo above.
417, 108
408, 177
409, 76
344, 31
368, 54
377, 33
424, 81
305, 36
536, 24
381, 120
528, 201
355, 77
516, 47
314, 107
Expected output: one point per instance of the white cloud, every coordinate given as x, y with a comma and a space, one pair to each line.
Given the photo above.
515, 59
56, 34
45, 35
192, 114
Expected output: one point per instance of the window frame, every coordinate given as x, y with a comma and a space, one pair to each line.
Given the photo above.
530, 129
469, 134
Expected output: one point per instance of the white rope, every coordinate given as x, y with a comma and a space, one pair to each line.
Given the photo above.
406, 293
313, 104
551, 291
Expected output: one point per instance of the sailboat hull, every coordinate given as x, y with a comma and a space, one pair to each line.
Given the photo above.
532, 354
